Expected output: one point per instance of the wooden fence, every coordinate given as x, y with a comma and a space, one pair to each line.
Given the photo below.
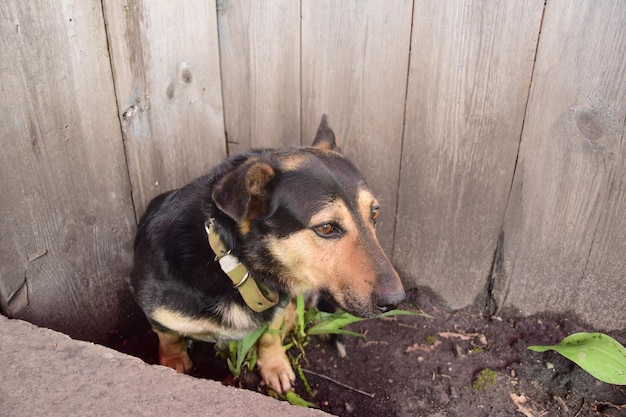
492, 131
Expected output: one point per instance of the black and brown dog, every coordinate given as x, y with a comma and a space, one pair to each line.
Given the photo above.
217, 259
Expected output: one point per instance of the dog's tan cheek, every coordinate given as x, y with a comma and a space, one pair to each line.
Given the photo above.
294, 253
340, 266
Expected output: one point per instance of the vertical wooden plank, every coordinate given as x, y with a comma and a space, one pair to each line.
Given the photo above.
260, 61
167, 77
354, 68
471, 64
566, 224
66, 214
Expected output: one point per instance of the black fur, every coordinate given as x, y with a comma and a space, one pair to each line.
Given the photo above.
174, 265
264, 205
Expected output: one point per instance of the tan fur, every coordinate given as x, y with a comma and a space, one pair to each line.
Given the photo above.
204, 328
366, 201
235, 316
274, 366
291, 162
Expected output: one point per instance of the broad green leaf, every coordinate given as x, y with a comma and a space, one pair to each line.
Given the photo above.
597, 353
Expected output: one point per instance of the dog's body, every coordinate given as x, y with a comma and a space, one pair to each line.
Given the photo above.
296, 219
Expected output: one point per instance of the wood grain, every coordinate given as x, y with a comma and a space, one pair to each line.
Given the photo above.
167, 78
566, 224
260, 61
471, 65
66, 214
354, 68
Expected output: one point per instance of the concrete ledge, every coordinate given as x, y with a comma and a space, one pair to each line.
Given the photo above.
48, 373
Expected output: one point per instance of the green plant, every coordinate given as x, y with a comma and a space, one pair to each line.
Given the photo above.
430, 339
293, 399
485, 378
597, 353
311, 322
476, 350
241, 352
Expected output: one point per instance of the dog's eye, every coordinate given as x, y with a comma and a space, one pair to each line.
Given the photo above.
326, 230
375, 214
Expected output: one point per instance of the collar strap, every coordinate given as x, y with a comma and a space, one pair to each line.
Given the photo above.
257, 297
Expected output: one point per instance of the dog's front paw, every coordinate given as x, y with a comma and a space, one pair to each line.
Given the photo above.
275, 370
181, 362
173, 351
274, 366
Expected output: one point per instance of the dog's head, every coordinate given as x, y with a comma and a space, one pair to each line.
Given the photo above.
307, 219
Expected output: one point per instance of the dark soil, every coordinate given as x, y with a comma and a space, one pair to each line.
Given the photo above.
457, 364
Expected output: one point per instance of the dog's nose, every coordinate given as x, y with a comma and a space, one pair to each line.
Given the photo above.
386, 308
389, 302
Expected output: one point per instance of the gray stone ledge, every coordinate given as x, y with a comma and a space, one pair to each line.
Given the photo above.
46, 373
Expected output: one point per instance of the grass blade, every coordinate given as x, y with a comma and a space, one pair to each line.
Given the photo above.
244, 345
331, 322
392, 313
300, 326
295, 399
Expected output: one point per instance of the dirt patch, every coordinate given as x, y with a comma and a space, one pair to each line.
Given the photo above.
457, 364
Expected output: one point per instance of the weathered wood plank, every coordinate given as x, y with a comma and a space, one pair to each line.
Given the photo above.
354, 68
167, 77
66, 213
260, 61
565, 232
471, 65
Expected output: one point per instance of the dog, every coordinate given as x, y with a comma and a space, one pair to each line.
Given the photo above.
222, 256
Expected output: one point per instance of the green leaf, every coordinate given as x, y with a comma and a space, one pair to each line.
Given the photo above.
332, 323
303, 378
300, 316
244, 345
232, 358
231, 367
295, 399
252, 359
597, 353
338, 331
312, 315
392, 313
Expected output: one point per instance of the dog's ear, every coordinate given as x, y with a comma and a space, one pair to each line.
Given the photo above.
325, 137
243, 194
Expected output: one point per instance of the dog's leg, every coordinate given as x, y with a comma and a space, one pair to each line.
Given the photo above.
173, 351
274, 366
